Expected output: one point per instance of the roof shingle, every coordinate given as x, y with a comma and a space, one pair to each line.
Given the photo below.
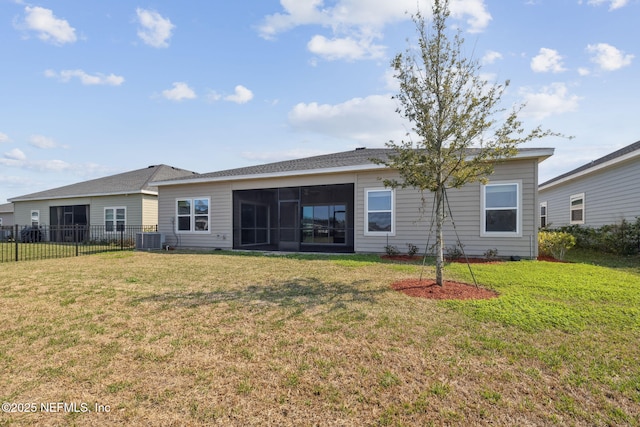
131, 182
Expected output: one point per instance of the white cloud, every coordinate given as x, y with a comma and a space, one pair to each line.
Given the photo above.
85, 78
155, 30
371, 121
613, 4
345, 48
490, 57
179, 92
354, 24
4, 137
583, 71
41, 141
15, 154
242, 95
608, 57
553, 99
49, 28
547, 60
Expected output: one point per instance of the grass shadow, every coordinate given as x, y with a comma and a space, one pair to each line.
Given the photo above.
303, 293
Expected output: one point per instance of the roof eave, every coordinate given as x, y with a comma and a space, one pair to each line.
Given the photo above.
77, 196
540, 154
606, 165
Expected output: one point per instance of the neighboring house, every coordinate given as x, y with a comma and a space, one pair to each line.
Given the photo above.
338, 203
6, 215
602, 192
116, 201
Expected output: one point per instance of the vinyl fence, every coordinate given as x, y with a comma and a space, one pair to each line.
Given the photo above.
26, 243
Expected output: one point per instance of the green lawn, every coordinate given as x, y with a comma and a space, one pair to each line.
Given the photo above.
246, 339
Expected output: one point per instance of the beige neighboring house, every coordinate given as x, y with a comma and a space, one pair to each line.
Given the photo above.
338, 203
125, 199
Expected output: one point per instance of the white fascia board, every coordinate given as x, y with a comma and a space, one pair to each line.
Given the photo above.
591, 170
79, 196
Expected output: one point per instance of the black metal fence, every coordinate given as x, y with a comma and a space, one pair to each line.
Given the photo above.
24, 243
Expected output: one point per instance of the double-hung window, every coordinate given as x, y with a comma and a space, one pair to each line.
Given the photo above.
115, 219
576, 210
193, 215
543, 214
35, 218
501, 209
379, 213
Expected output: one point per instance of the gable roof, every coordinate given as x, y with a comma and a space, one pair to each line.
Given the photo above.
6, 208
609, 160
132, 182
346, 161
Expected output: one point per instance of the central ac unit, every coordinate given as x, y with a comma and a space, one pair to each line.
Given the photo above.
148, 241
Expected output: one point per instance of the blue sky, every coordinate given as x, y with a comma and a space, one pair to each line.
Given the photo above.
95, 88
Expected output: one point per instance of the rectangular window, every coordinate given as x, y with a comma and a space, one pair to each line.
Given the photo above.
115, 219
193, 215
576, 209
543, 215
501, 209
379, 212
35, 218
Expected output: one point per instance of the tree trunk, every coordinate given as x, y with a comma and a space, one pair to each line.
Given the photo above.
439, 235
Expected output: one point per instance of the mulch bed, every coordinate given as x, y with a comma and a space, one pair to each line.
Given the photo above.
427, 288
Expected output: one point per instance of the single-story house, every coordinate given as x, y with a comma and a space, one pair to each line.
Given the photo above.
602, 192
6, 215
113, 202
338, 203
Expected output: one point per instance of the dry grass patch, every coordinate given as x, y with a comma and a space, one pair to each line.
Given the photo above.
187, 339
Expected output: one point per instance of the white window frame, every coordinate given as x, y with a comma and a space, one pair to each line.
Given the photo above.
392, 211
544, 205
581, 207
518, 207
35, 214
192, 216
115, 218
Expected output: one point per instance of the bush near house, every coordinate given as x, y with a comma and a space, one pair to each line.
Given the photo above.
555, 243
622, 238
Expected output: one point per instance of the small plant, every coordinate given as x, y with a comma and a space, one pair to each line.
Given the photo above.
391, 250
412, 249
455, 252
555, 243
491, 254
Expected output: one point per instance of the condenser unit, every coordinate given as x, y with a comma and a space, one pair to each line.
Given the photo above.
149, 241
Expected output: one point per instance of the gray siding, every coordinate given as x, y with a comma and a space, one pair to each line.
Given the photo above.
412, 224
611, 195
138, 213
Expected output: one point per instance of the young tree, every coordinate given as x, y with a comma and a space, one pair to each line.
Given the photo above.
461, 129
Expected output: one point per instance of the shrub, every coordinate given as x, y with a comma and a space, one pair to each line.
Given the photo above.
622, 238
455, 252
555, 243
391, 250
491, 254
412, 249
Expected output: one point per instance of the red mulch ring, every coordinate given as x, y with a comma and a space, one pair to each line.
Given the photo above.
427, 288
